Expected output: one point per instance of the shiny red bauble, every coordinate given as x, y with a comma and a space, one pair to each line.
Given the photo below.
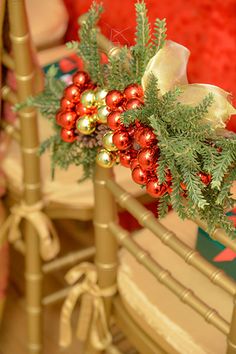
121, 139
58, 117
114, 99
146, 138
154, 189
147, 158
81, 79
113, 120
138, 132
126, 157
131, 130
82, 110
139, 175
205, 178
133, 103
68, 135
134, 163
133, 91
68, 119
72, 93
66, 104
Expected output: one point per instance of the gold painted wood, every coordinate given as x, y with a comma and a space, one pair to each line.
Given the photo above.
24, 73
186, 295
8, 95
69, 259
7, 60
190, 256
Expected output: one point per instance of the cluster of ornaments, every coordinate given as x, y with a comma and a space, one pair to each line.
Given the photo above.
136, 146
82, 108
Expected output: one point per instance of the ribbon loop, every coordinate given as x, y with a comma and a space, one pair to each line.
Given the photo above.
88, 289
169, 66
49, 242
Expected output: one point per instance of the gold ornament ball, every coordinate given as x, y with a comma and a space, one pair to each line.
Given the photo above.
107, 141
105, 159
102, 114
86, 125
100, 95
88, 99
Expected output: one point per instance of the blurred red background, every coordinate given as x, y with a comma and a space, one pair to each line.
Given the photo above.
206, 27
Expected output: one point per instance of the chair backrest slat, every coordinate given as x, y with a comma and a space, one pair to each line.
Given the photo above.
166, 278
190, 256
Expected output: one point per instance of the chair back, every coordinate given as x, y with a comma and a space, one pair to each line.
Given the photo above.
110, 235
18, 57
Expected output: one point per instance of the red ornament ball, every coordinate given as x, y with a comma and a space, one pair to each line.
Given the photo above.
82, 110
114, 99
72, 93
146, 138
147, 158
138, 132
134, 103
139, 175
126, 157
68, 135
113, 120
58, 117
205, 178
133, 91
121, 139
134, 163
154, 189
131, 130
68, 119
81, 79
66, 104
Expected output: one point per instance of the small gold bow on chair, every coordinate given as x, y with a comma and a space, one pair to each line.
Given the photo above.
49, 242
92, 318
169, 66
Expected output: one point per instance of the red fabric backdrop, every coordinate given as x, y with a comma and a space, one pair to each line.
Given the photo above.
206, 27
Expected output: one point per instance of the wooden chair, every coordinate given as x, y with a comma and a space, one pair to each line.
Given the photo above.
31, 194
159, 291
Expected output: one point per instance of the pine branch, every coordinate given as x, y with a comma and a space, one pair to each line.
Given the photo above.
159, 34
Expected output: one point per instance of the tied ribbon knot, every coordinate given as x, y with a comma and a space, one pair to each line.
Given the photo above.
169, 66
49, 242
92, 319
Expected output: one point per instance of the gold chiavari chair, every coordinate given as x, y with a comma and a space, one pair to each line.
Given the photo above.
31, 194
161, 292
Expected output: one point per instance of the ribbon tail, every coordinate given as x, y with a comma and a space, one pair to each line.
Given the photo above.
65, 336
49, 241
85, 316
100, 335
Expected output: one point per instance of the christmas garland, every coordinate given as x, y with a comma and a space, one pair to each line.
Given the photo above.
119, 112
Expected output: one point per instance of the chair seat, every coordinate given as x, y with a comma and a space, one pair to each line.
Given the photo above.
48, 21
64, 189
162, 314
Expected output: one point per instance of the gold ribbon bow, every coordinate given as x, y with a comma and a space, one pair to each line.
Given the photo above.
169, 66
88, 289
49, 242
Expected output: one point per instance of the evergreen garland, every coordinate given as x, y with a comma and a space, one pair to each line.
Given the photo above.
187, 145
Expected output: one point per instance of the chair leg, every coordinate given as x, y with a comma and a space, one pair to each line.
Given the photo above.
33, 278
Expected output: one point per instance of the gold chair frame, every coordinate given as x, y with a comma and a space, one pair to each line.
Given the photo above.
109, 236
29, 81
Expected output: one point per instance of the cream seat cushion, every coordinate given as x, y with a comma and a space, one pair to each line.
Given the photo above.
48, 21
64, 189
157, 310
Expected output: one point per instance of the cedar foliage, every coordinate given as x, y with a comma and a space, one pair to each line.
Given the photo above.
187, 145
